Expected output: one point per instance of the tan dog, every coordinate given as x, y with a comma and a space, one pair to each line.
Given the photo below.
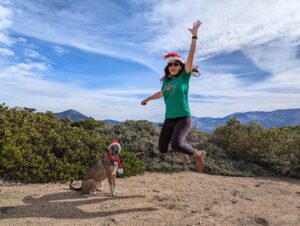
106, 167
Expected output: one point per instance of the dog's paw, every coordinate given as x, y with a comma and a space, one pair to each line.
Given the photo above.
117, 192
93, 193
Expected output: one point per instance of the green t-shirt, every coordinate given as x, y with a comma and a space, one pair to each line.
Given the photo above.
175, 93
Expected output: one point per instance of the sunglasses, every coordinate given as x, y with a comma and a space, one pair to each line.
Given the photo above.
175, 64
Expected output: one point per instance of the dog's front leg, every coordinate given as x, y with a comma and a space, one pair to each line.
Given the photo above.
111, 185
114, 184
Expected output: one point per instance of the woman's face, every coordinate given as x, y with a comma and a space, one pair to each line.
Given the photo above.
174, 67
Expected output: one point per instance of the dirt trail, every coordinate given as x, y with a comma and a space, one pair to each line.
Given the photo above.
185, 198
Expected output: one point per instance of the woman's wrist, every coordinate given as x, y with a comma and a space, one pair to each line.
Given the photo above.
195, 37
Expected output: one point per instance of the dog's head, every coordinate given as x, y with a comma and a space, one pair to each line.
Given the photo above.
114, 148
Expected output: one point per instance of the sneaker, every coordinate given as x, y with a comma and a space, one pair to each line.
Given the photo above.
200, 157
184, 157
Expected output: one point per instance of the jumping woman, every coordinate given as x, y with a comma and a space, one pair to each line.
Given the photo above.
178, 120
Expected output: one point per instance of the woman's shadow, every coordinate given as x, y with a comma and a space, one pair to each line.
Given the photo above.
65, 205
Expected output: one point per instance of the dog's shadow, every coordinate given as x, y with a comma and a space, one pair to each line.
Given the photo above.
65, 205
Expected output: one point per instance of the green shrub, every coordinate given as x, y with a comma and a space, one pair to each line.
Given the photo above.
277, 149
38, 147
131, 164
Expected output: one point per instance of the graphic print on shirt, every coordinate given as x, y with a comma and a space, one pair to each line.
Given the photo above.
169, 90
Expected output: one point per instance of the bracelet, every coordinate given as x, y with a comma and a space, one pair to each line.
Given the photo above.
195, 37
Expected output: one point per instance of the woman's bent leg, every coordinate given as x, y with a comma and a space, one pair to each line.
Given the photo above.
178, 144
166, 135
181, 130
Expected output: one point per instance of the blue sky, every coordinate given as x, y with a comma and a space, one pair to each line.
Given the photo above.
102, 57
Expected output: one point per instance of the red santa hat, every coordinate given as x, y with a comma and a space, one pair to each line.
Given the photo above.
115, 142
173, 56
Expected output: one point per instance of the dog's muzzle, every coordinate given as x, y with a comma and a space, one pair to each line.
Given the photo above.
115, 150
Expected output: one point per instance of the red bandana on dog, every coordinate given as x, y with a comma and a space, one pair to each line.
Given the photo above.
116, 159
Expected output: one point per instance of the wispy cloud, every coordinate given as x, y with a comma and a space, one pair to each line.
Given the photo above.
6, 52
60, 50
5, 22
24, 70
275, 56
227, 25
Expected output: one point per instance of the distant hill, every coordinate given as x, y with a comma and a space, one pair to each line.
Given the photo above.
72, 114
271, 119
111, 122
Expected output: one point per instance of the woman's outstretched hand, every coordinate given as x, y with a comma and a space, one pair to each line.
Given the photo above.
153, 97
144, 102
194, 29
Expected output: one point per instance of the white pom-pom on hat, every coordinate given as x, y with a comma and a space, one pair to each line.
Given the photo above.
120, 170
173, 56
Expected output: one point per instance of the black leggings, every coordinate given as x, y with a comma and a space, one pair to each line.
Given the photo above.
172, 136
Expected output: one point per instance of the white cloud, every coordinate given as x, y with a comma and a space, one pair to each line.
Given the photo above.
5, 22
227, 94
34, 55
23, 70
227, 25
31, 53
275, 57
6, 52
60, 50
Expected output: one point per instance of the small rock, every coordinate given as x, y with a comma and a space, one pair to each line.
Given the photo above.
235, 192
262, 221
234, 201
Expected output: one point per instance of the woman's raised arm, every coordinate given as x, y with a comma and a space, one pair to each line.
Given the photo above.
190, 59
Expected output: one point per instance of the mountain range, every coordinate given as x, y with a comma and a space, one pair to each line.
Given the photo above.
277, 118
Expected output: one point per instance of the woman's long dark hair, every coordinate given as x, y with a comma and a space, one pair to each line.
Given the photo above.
167, 77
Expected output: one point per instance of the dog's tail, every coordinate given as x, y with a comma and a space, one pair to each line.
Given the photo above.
72, 187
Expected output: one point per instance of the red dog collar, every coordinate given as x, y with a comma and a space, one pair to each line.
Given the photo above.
115, 159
